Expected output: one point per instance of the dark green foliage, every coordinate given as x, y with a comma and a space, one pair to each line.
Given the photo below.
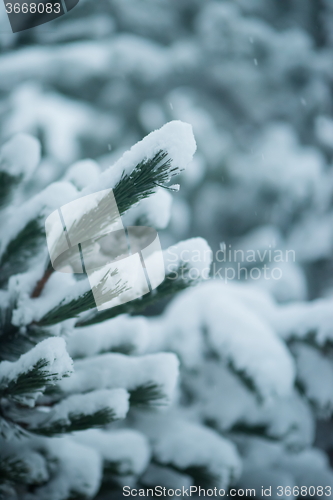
244, 378
81, 304
7, 184
70, 310
10, 339
19, 251
124, 348
131, 188
148, 395
13, 342
260, 431
15, 418
77, 422
13, 470
312, 339
117, 468
169, 286
142, 181
8, 426
28, 382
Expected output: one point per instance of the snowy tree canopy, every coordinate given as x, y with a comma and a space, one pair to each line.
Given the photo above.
228, 383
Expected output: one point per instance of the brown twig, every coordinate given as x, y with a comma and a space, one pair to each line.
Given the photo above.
41, 283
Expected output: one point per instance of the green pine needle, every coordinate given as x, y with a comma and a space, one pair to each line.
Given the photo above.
148, 395
142, 181
14, 343
7, 184
121, 348
130, 189
77, 422
82, 303
13, 470
25, 245
168, 287
28, 383
117, 469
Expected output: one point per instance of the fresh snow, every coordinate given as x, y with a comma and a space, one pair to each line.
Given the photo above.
115, 400
176, 138
195, 253
227, 327
117, 370
77, 470
122, 332
51, 350
82, 173
61, 288
39, 206
33, 460
154, 211
315, 374
127, 448
184, 444
20, 156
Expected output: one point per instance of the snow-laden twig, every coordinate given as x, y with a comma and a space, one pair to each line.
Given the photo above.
26, 379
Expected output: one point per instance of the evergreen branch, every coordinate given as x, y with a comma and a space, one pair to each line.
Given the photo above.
169, 286
260, 430
9, 429
68, 310
28, 382
312, 339
121, 348
244, 377
117, 469
142, 181
124, 348
131, 188
22, 465
13, 470
77, 422
8, 183
16, 257
9, 334
13, 342
78, 412
320, 410
139, 184
82, 303
148, 395
25, 379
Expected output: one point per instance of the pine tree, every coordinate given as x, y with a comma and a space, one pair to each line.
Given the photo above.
254, 78
84, 393
68, 371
